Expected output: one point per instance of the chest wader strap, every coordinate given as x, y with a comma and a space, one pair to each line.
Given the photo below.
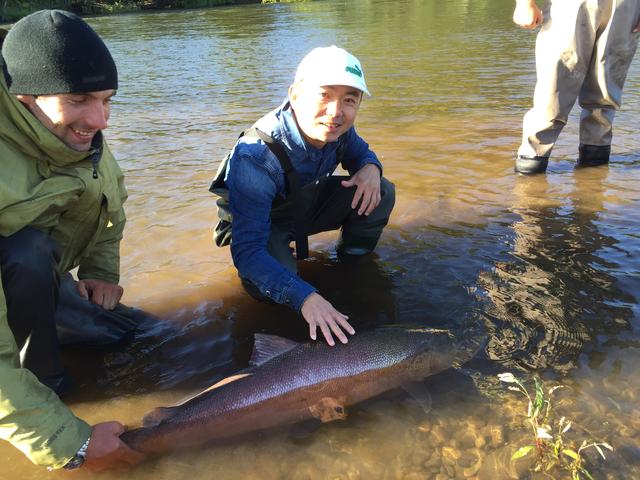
293, 183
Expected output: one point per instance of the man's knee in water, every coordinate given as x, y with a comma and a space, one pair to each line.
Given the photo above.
387, 196
360, 236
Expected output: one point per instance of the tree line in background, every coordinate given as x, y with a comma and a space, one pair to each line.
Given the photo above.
12, 10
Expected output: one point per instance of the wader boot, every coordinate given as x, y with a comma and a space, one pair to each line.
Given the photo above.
593, 155
82, 322
360, 233
530, 165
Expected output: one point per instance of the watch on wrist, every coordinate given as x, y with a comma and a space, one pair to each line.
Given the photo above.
78, 459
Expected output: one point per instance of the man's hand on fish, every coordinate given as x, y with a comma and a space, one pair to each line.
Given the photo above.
106, 450
527, 14
320, 313
102, 293
367, 182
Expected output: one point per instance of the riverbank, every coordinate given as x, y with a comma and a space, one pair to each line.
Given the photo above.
12, 11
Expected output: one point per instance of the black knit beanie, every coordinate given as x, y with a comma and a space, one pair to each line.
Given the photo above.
53, 51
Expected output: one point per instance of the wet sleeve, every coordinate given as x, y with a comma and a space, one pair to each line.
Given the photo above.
252, 190
356, 153
32, 417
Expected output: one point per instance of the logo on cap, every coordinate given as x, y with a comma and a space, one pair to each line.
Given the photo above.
355, 70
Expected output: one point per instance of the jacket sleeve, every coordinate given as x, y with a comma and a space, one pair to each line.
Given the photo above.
251, 194
32, 417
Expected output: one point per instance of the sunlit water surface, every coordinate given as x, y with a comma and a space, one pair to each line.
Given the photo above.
549, 265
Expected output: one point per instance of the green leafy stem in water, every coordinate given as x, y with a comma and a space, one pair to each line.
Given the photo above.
551, 445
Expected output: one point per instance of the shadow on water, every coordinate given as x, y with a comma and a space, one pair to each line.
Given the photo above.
556, 297
200, 344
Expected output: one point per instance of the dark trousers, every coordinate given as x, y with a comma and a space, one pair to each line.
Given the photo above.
327, 206
45, 310
30, 281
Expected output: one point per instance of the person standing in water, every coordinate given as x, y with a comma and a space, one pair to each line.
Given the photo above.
583, 51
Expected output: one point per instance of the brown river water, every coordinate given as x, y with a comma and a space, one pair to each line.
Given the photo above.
548, 265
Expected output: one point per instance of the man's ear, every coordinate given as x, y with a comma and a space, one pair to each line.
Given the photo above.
28, 100
293, 93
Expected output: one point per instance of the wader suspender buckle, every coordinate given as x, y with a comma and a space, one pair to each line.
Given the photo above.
291, 176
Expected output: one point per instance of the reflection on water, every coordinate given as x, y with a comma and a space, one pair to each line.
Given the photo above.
557, 295
548, 265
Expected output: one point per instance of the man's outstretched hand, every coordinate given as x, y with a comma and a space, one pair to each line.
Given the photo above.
320, 313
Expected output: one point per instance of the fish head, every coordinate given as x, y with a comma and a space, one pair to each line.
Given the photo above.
432, 350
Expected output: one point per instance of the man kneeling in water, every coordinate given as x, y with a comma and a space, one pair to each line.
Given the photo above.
280, 188
61, 197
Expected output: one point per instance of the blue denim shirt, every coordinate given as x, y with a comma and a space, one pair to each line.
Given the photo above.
254, 178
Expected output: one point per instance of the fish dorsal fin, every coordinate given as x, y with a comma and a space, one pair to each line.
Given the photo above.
267, 347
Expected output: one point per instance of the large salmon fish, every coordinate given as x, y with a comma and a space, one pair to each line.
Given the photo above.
291, 382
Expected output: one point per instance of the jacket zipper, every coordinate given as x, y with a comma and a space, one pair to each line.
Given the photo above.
95, 158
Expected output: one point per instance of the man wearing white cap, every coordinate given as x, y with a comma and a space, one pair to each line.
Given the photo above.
281, 188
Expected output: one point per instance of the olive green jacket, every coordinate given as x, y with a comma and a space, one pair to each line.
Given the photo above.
49, 186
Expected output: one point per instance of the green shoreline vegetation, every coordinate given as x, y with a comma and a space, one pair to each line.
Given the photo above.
13, 10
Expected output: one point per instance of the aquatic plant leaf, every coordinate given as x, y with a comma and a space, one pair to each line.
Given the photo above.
507, 377
567, 427
599, 450
586, 473
571, 453
554, 388
615, 404
539, 399
522, 452
606, 445
543, 433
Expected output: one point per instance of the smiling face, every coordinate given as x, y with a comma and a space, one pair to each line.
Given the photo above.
74, 118
324, 113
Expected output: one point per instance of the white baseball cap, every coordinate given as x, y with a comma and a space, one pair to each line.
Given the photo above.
324, 66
